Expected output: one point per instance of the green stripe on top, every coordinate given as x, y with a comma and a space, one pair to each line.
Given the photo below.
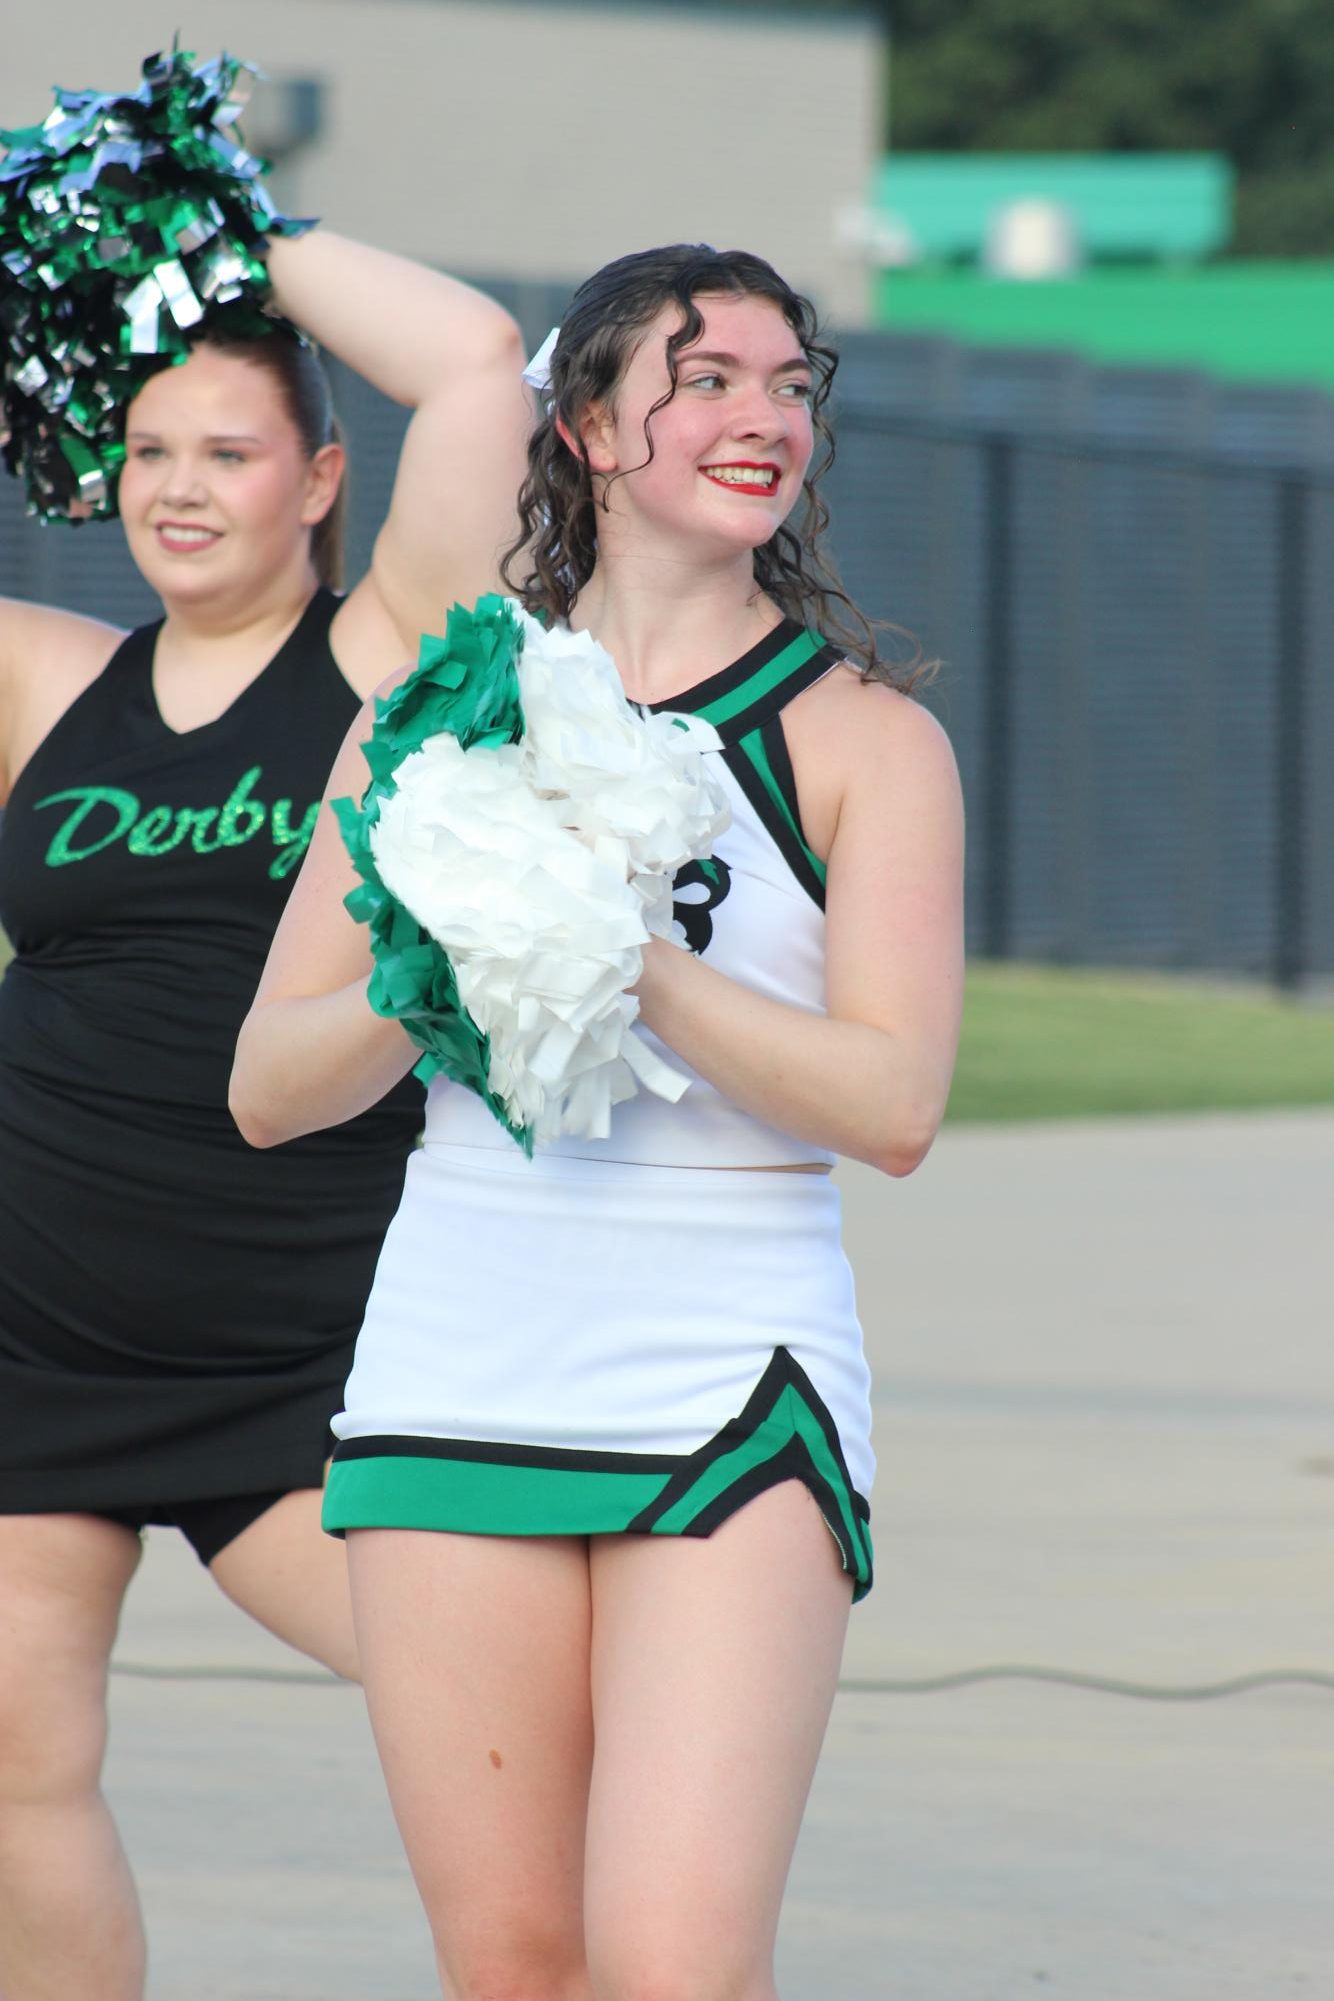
753, 746
763, 681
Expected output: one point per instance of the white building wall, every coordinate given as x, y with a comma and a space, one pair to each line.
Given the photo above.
530, 140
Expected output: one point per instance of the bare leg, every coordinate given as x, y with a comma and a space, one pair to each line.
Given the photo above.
287, 1573
714, 1668
69, 1916
475, 1656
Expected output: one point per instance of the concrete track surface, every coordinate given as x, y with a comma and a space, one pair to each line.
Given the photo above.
1105, 1420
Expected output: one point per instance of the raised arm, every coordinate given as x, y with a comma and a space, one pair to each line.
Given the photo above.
453, 356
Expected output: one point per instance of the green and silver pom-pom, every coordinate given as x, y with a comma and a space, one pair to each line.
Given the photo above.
125, 220
516, 847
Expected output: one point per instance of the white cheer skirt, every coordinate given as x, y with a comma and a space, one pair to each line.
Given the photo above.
576, 1346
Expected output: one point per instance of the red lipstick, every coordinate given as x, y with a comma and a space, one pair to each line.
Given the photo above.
750, 476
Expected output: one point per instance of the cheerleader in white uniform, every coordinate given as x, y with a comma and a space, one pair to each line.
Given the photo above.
605, 1463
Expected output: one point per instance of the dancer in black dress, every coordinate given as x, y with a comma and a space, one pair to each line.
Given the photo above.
176, 1311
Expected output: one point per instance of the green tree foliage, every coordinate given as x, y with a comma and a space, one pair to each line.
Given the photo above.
1252, 79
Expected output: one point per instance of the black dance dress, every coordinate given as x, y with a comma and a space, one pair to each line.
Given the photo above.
177, 1311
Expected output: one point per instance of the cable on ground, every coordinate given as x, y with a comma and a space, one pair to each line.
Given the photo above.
937, 1684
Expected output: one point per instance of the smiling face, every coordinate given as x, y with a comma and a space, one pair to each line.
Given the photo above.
217, 494
731, 447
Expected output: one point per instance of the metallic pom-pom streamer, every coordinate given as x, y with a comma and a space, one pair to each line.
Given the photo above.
125, 221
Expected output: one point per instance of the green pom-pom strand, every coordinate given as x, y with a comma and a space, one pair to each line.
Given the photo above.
465, 685
125, 221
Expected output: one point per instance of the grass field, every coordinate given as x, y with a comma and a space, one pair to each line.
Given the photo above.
1043, 1043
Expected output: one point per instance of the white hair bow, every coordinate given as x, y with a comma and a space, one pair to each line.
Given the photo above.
538, 372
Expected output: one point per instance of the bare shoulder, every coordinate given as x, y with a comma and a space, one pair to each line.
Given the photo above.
366, 642
858, 742
865, 721
41, 638
47, 658
350, 771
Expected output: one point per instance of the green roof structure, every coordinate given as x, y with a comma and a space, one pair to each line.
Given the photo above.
1149, 288
1124, 206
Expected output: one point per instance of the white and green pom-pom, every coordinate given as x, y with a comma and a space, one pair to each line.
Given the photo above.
542, 867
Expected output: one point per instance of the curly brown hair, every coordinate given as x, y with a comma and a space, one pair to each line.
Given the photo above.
598, 336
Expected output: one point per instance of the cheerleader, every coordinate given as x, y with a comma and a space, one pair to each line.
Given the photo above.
604, 1464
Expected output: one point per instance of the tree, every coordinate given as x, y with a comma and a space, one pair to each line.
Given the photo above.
1252, 79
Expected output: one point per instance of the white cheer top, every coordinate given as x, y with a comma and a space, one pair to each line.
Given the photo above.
755, 914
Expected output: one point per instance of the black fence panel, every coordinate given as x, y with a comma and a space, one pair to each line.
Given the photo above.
1130, 596
1319, 844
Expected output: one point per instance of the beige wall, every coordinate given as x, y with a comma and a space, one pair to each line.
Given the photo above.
523, 139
